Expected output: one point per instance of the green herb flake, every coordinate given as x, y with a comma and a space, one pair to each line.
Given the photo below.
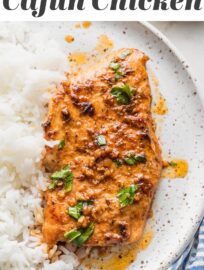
61, 144
140, 158
126, 195
72, 235
134, 159
68, 182
123, 93
124, 54
101, 140
76, 211
130, 160
79, 237
118, 162
85, 235
64, 175
119, 73
53, 184
88, 203
172, 164
114, 66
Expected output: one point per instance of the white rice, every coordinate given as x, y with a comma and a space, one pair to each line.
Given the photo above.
29, 70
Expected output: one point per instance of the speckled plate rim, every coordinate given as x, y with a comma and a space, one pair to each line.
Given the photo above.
188, 70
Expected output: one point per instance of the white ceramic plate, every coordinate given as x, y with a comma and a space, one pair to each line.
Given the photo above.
179, 204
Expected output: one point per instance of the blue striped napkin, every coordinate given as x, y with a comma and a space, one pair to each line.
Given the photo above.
193, 256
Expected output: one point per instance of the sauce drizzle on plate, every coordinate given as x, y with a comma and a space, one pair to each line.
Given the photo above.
176, 168
161, 107
120, 259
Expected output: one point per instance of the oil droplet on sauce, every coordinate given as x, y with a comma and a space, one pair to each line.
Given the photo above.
176, 168
161, 107
104, 43
69, 38
119, 259
78, 58
86, 24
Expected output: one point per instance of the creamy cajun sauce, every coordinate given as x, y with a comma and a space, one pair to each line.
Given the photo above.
120, 259
78, 107
69, 38
176, 168
104, 43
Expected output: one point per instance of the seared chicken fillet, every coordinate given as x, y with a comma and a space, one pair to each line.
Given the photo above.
102, 118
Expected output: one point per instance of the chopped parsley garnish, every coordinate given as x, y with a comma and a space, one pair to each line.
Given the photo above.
68, 182
172, 163
123, 93
64, 175
124, 54
131, 159
85, 235
79, 237
126, 195
134, 159
119, 73
118, 162
71, 235
115, 66
53, 184
61, 144
101, 140
77, 210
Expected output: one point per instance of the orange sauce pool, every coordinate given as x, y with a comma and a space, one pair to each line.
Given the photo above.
104, 43
176, 168
118, 259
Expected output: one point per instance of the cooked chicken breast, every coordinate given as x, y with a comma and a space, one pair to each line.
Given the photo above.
105, 170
